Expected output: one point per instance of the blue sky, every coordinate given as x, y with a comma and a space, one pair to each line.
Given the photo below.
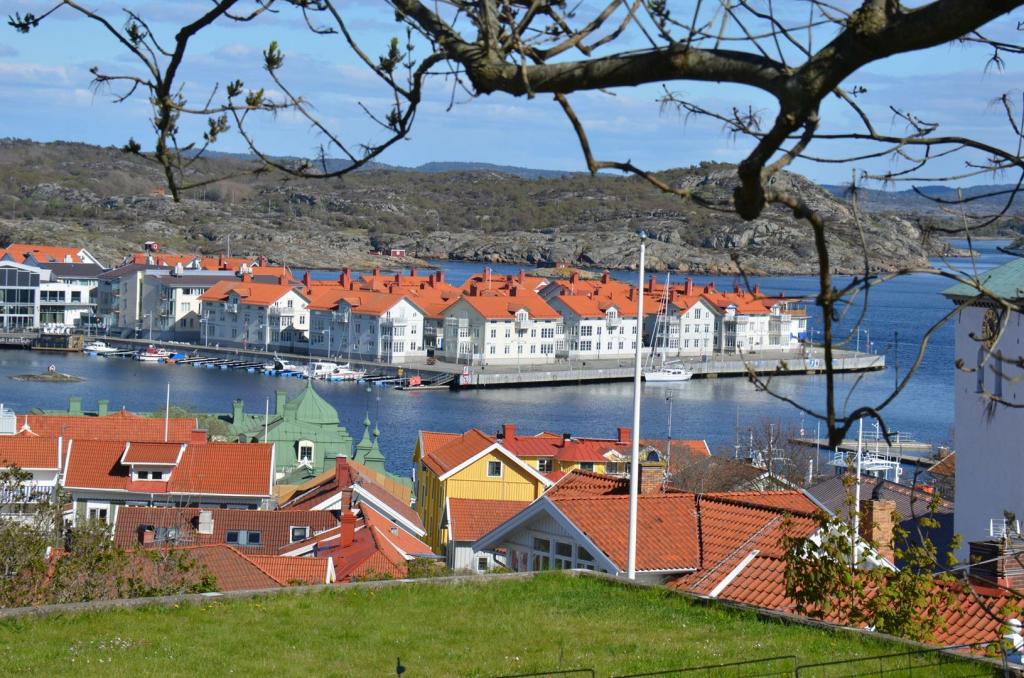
45, 81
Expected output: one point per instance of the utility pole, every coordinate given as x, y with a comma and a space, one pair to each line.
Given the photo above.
634, 462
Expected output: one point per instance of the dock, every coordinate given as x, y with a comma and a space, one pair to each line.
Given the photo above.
904, 448
428, 374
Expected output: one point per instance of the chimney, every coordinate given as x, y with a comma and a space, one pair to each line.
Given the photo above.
246, 277
439, 276
348, 528
999, 562
74, 405
877, 524
398, 277
522, 276
474, 290
237, 411
221, 264
566, 437
146, 535
652, 473
102, 408
736, 288
307, 280
757, 290
688, 289
279, 399
342, 471
205, 522
574, 277
606, 277
412, 272
625, 434
650, 284
376, 271
262, 261
514, 291
508, 431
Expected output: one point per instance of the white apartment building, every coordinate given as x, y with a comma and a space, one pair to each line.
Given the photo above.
369, 326
69, 298
271, 316
520, 328
689, 326
19, 294
596, 328
987, 435
778, 327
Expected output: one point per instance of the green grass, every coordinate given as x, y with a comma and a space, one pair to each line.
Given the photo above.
494, 628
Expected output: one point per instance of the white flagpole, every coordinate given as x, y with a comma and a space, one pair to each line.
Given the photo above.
856, 508
266, 419
167, 412
634, 462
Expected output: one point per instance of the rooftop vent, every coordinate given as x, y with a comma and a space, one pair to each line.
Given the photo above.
205, 522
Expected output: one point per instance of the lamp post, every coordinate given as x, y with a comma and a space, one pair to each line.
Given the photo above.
668, 461
634, 462
150, 316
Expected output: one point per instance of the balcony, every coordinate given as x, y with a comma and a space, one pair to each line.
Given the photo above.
339, 317
613, 321
281, 312
231, 308
523, 322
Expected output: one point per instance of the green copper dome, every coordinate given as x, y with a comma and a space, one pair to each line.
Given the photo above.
309, 407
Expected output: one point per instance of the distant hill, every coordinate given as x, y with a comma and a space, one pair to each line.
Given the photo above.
910, 202
75, 193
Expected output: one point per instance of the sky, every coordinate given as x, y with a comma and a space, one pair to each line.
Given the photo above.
45, 82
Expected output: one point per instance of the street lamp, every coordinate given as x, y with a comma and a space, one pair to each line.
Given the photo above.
150, 316
668, 460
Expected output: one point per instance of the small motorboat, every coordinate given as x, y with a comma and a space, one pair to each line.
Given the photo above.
346, 373
321, 369
282, 365
152, 354
98, 347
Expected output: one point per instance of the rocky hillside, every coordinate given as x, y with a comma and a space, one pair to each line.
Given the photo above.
112, 202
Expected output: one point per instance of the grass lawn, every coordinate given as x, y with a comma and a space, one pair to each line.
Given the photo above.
487, 629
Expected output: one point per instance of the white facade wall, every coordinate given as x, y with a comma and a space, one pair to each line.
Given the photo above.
472, 339
280, 325
607, 338
395, 336
65, 300
990, 454
462, 558
684, 333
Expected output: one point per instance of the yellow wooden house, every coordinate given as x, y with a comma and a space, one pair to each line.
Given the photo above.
471, 465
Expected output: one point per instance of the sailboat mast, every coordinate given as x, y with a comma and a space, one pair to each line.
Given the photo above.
634, 462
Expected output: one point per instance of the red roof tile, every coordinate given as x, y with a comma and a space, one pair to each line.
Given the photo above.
42, 253
294, 570
392, 502
274, 526
29, 452
239, 469
666, 528
387, 530
449, 455
233, 571
152, 453
119, 426
470, 519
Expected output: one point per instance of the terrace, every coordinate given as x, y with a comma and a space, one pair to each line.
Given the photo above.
482, 626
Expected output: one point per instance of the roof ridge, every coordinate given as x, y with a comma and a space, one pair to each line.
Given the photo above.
755, 505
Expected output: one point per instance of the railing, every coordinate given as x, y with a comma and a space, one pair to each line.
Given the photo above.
1001, 527
614, 321
231, 308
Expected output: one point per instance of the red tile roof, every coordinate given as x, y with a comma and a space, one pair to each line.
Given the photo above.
239, 469
294, 570
118, 426
470, 519
666, 528
396, 536
152, 453
586, 484
233, 571
946, 467
29, 452
249, 293
505, 307
400, 507
274, 526
456, 451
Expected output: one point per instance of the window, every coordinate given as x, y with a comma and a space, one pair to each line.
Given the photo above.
481, 564
494, 469
586, 331
492, 349
299, 534
544, 465
243, 537
305, 452
143, 475
547, 333
98, 514
587, 466
157, 475
494, 333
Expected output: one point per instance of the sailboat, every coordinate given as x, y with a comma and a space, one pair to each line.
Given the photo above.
668, 371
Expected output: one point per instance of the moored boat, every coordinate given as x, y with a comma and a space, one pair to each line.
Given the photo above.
152, 354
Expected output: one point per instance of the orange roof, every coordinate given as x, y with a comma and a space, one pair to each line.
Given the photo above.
152, 453
42, 253
29, 452
586, 484
294, 570
432, 440
505, 307
239, 469
587, 306
456, 451
250, 293
326, 297
373, 303
498, 282
946, 467
470, 519
396, 504
120, 426
666, 528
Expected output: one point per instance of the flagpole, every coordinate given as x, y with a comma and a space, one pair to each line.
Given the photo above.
167, 412
634, 462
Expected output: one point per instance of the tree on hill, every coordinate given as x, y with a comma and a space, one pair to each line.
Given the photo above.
797, 59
